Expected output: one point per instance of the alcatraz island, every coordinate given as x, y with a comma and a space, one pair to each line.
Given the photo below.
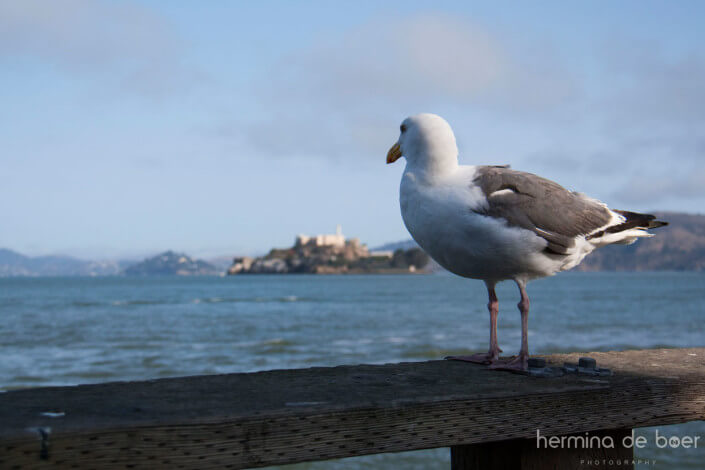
331, 254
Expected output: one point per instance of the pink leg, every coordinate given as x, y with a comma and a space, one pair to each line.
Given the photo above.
521, 362
493, 354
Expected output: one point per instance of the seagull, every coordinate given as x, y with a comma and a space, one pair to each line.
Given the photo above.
494, 223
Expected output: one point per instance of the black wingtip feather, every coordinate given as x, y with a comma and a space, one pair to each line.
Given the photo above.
637, 220
632, 220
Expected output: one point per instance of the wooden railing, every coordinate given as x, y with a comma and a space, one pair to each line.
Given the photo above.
489, 419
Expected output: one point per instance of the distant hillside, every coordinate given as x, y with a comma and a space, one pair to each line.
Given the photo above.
677, 247
15, 264
170, 263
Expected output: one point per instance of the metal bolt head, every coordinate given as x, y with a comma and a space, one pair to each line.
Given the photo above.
587, 363
537, 362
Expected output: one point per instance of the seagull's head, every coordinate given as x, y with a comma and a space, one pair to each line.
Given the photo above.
426, 140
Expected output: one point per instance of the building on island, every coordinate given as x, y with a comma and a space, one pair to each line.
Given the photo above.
349, 248
337, 240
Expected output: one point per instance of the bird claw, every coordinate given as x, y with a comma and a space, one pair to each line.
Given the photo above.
486, 358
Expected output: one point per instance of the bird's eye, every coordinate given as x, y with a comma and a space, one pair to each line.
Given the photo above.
402, 128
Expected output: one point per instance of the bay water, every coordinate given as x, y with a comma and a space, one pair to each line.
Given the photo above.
67, 331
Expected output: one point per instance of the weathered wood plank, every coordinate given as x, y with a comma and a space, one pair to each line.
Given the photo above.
524, 454
287, 416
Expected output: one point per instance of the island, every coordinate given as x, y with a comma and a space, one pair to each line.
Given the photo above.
331, 254
171, 263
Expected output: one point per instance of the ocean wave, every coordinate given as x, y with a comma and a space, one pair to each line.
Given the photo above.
278, 342
79, 303
286, 298
139, 302
352, 342
199, 300
216, 300
396, 339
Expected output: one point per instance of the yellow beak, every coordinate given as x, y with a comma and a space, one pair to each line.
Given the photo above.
394, 153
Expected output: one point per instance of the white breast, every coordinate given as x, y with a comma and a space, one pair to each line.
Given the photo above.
441, 217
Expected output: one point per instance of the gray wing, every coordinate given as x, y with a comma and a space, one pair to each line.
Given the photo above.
540, 205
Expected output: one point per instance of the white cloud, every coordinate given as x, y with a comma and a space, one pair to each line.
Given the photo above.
429, 58
351, 91
119, 43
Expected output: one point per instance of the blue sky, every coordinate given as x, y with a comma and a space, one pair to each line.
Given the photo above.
228, 127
